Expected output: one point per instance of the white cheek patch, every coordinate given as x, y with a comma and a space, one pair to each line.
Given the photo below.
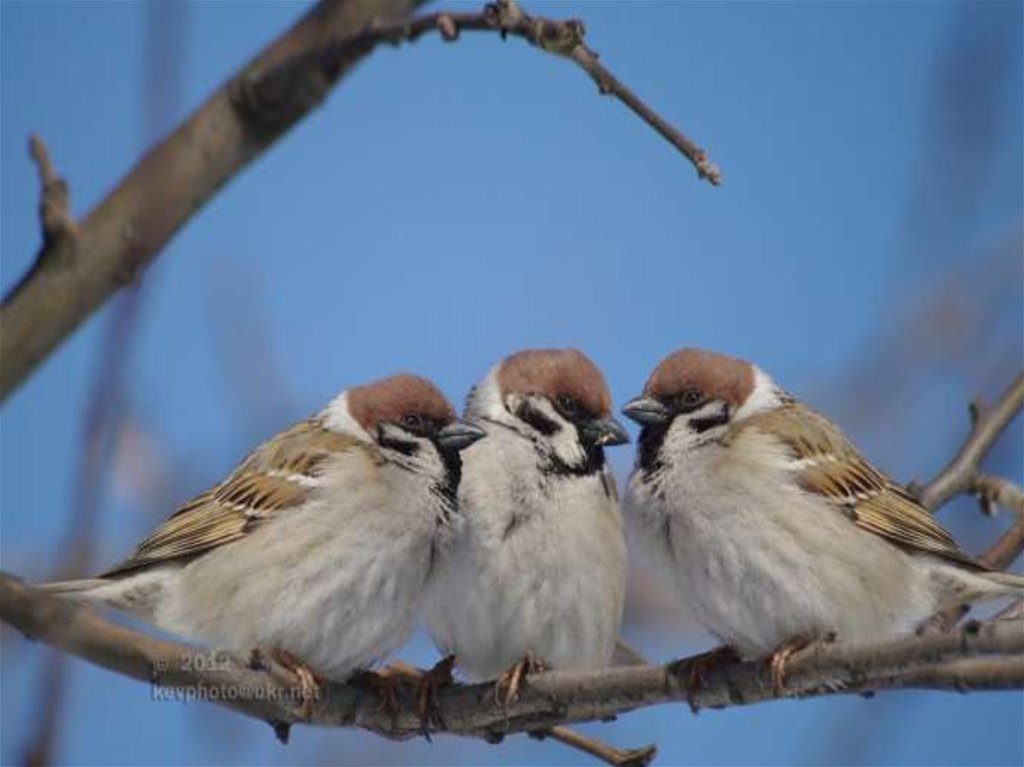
337, 418
710, 410
764, 396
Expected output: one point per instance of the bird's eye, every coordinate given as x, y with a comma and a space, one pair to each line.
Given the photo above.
692, 396
412, 421
566, 404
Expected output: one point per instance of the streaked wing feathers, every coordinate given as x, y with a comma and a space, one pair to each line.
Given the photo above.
278, 475
828, 464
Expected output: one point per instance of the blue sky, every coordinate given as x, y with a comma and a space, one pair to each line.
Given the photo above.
450, 204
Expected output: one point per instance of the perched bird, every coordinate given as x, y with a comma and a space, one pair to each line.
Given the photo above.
769, 523
537, 576
318, 545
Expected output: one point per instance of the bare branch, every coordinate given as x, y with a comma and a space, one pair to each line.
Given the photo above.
127, 229
54, 199
961, 474
617, 757
975, 657
244, 117
1001, 492
1004, 551
559, 37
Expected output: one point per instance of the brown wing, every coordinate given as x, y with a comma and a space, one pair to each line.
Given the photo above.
828, 464
278, 475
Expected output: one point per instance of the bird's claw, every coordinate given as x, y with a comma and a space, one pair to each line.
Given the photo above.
309, 687
779, 659
385, 683
506, 689
699, 667
429, 684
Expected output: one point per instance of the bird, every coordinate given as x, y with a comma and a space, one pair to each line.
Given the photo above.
317, 547
536, 578
769, 525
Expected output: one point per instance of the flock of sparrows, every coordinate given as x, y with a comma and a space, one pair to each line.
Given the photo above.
502, 531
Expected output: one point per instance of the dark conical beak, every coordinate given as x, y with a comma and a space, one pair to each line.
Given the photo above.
646, 411
604, 432
459, 435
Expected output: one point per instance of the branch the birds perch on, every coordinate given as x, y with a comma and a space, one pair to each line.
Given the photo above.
972, 657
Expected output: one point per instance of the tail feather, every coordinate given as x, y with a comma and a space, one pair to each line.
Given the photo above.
960, 586
137, 594
1011, 584
73, 587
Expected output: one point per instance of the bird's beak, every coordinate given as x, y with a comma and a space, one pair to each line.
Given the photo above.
646, 411
604, 432
459, 435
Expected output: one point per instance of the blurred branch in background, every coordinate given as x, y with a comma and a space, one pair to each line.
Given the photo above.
238, 308
165, 29
976, 656
73, 276
956, 324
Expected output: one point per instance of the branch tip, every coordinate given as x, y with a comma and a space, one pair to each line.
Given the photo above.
54, 198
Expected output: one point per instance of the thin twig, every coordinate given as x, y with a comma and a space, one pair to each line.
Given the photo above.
549, 700
54, 199
1005, 551
961, 474
617, 757
561, 37
1001, 492
240, 121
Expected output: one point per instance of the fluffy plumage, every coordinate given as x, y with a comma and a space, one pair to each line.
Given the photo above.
319, 542
540, 566
769, 523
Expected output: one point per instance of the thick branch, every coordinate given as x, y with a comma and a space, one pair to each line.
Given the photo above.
962, 473
124, 232
975, 657
72, 277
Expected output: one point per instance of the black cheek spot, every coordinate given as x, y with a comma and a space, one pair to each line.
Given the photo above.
402, 446
530, 415
652, 437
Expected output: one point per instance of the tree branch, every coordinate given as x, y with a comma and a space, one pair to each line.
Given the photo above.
126, 230
962, 473
976, 657
559, 37
54, 200
999, 491
73, 276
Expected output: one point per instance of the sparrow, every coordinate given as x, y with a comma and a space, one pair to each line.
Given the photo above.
536, 577
318, 545
771, 526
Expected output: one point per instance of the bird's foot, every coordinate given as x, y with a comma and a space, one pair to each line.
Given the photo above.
779, 659
430, 683
386, 683
699, 667
506, 689
309, 687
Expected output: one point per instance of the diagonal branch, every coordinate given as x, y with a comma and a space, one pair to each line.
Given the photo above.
976, 657
73, 276
962, 473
